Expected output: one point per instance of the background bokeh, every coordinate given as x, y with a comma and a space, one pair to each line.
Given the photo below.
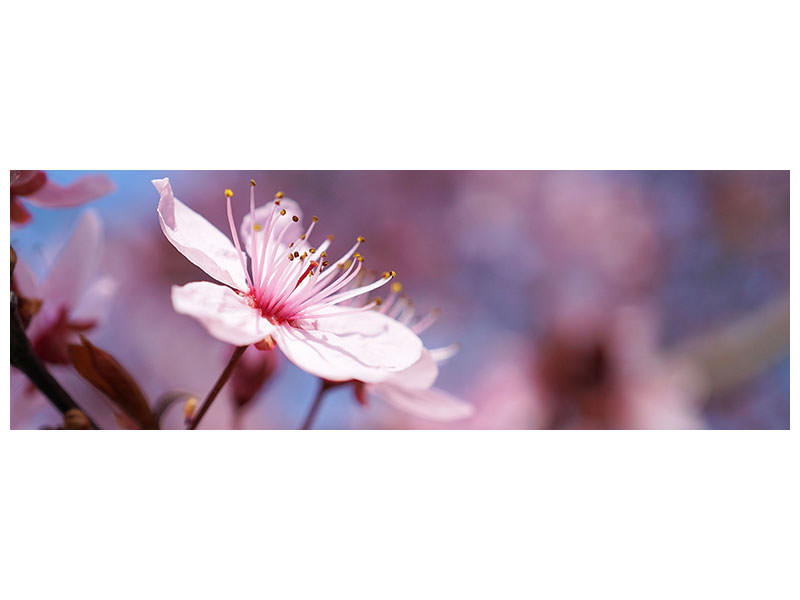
570, 293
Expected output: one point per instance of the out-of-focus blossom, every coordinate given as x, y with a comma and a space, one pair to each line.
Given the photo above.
603, 370
503, 392
411, 390
73, 301
37, 189
253, 370
289, 297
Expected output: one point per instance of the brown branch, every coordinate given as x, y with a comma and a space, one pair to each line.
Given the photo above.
24, 358
223, 378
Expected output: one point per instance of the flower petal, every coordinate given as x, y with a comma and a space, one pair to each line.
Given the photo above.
25, 280
225, 315
420, 375
441, 355
76, 264
79, 192
95, 304
432, 403
197, 239
366, 346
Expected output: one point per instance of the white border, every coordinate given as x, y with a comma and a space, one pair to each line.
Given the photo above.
411, 514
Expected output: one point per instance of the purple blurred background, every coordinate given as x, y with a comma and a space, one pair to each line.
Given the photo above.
573, 295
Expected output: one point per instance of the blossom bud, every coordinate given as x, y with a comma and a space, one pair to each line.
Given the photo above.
250, 374
189, 408
75, 419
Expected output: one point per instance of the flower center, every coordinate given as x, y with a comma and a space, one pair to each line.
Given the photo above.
288, 280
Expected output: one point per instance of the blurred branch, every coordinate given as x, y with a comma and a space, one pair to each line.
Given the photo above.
734, 354
324, 386
24, 358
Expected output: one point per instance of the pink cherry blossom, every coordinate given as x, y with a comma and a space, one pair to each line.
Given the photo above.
35, 187
289, 295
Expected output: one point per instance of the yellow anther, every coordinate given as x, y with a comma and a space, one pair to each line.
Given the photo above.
360, 239
253, 182
291, 256
229, 193
378, 301
324, 263
312, 250
360, 259
397, 287
304, 254
315, 219
323, 254
302, 237
257, 227
279, 195
330, 237
386, 274
296, 253
283, 211
356, 255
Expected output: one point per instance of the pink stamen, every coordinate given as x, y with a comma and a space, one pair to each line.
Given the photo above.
229, 195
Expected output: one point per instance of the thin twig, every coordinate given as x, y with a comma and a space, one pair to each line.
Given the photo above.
324, 386
223, 378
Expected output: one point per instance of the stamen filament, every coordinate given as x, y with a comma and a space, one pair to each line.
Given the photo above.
228, 196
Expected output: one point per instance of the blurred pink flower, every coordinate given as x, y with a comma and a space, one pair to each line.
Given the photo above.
283, 299
603, 370
40, 191
73, 301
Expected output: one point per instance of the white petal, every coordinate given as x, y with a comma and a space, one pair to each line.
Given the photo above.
225, 315
420, 375
198, 240
75, 265
366, 346
432, 403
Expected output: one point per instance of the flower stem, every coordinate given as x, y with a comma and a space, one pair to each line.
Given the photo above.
223, 378
24, 358
312, 414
